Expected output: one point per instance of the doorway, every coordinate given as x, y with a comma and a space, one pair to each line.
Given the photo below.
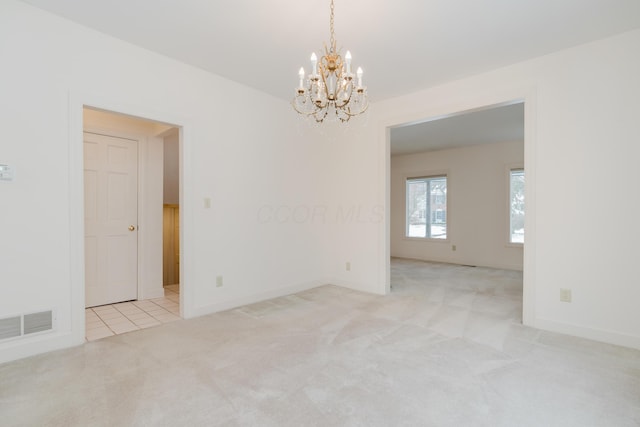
448, 249
123, 260
171, 212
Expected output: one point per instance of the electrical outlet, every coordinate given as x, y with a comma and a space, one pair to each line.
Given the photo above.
565, 295
219, 282
347, 266
453, 248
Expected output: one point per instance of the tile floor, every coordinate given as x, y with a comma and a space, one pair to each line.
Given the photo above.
107, 320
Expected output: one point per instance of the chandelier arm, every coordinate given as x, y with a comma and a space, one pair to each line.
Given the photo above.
350, 114
306, 99
305, 113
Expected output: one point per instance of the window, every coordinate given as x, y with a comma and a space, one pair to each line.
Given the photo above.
427, 207
516, 206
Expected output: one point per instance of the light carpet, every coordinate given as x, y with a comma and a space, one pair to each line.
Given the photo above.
445, 348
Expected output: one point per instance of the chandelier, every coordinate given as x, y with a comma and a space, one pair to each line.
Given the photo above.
329, 90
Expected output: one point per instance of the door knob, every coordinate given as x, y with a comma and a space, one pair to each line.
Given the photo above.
132, 227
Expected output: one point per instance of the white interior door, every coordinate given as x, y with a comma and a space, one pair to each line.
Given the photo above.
111, 219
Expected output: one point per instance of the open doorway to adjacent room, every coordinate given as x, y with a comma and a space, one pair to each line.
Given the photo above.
131, 222
457, 214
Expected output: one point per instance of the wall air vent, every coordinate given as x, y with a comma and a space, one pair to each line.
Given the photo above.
21, 325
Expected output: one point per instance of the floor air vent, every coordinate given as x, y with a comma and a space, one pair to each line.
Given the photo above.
17, 326
10, 327
38, 322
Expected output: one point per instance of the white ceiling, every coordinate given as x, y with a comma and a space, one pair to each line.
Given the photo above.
403, 45
486, 126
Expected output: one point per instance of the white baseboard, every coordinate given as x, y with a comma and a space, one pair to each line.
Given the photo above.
354, 286
461, 262
156, 293
601, 335
254, 298
26, 347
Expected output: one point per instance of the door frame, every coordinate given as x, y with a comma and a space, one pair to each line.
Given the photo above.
78, 101
495, 97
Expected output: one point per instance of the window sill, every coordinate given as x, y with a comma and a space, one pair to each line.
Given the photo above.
514, 245
425, 239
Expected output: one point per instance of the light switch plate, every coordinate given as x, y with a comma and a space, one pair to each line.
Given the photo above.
6, 173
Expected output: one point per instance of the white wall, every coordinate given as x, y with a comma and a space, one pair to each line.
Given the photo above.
581, 134
478, 197
50, 67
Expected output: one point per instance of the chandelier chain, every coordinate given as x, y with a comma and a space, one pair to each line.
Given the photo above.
333, 37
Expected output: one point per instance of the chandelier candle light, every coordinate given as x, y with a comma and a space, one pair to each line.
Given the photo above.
329, 90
